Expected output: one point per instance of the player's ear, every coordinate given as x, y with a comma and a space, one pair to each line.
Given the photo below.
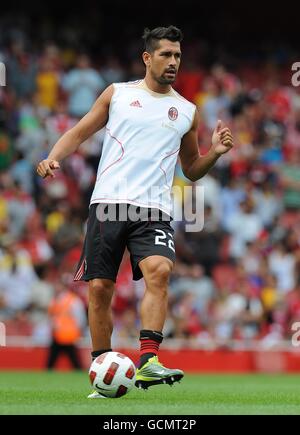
146, 58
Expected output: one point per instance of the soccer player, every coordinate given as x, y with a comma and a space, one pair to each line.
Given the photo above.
148, 124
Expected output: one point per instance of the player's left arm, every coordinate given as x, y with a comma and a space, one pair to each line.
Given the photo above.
195, 166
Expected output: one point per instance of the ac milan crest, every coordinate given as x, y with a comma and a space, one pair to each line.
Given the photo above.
173, 113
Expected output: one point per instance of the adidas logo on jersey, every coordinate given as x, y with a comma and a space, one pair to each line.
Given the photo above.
136, 104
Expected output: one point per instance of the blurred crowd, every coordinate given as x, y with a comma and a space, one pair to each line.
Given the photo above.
238, 279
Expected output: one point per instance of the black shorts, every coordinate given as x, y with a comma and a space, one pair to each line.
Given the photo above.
106, 240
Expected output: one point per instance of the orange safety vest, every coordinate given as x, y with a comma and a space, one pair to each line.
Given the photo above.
65, 328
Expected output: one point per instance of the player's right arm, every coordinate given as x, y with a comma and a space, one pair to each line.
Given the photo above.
93, 121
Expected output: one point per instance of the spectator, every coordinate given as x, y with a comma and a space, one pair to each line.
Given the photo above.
245, 226
83, 84
47, 82
67, 314
21, 70
17, 277
282, 264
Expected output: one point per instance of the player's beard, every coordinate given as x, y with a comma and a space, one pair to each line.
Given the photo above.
162, 80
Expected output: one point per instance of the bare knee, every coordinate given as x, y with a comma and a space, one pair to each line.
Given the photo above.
100, 293
158, 273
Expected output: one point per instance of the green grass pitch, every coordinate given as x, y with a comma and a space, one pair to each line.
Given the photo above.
65, 393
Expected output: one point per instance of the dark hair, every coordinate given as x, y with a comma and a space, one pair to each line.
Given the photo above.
152, 37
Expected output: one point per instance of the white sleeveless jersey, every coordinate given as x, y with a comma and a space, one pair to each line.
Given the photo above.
141, 145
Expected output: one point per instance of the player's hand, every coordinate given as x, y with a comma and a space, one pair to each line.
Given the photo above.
46, 167
222, 140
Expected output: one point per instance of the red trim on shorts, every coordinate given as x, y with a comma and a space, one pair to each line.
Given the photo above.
80, 271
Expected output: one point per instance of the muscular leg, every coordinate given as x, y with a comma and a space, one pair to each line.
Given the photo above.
156, 270
99, 312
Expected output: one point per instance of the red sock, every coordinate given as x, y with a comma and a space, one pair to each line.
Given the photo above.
149, 345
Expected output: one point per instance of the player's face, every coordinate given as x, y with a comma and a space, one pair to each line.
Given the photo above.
164, 62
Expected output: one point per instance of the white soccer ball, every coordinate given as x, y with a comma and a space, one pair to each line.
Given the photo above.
112, 374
